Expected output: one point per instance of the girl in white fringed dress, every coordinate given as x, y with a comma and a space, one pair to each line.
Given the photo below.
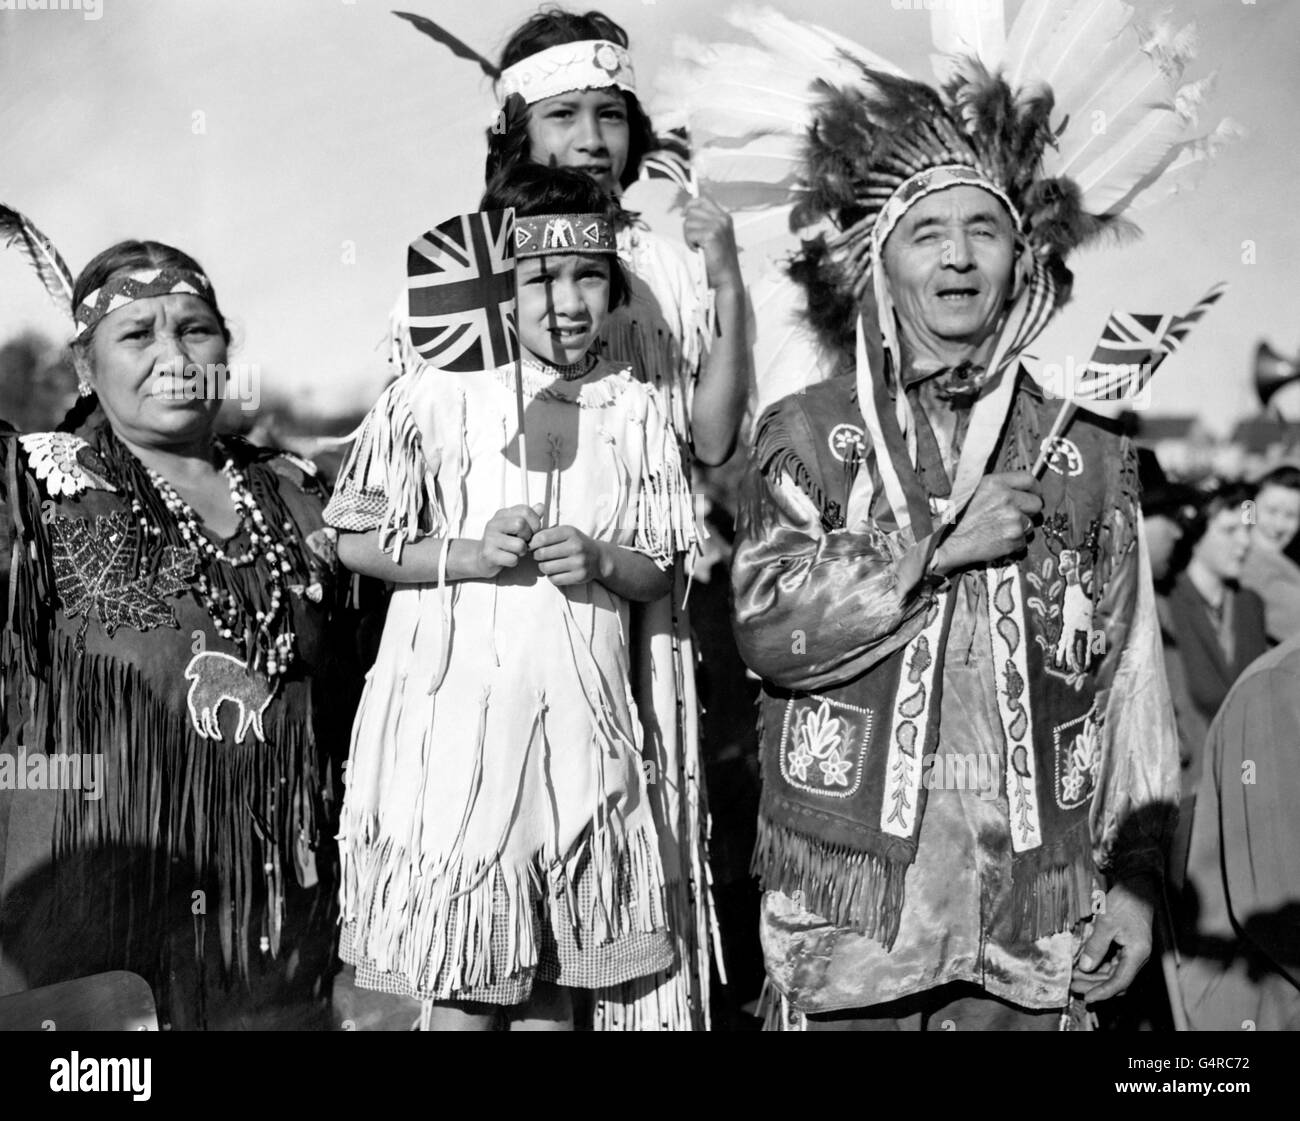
497, 841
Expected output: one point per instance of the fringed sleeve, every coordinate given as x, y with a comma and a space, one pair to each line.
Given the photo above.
665, 517
664, 332
389, 480
24, 716
814, 605
1136, 801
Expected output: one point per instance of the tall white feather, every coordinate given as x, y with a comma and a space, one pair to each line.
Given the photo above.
1117, 80
786, 356
1077, 42
1190, 161
1111, 181
748, 106
821, 53
1035, 24
968, 27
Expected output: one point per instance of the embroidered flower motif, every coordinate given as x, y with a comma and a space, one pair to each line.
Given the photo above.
821, 731
1063, 457
820, 737
56, 460
835, 770
1082, 762
606, 59
1072, 786
800, 760
834, 736
95, 573
846, 442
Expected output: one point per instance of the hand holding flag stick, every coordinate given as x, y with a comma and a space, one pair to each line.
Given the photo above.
1130, 350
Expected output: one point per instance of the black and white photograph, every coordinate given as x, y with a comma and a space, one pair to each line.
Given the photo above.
756, 515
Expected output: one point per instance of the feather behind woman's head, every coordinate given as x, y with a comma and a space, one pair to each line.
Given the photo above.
17, 229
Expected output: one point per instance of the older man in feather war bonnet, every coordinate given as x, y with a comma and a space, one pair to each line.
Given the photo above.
920, 606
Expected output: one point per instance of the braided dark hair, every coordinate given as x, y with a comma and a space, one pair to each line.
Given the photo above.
507, 140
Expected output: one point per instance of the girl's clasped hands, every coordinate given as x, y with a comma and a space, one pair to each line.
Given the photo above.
564, 554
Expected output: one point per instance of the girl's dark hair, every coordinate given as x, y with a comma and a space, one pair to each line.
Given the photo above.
533, 189
1284, 476
125, 256
1223, 496
508, 139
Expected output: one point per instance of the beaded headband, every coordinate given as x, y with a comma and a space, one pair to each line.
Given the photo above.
928, 182
588, 64
563, 233
139, 284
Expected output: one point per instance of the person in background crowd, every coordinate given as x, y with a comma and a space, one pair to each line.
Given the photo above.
173, 598
1240, 936
1269, 571
1167, 509
1218, 625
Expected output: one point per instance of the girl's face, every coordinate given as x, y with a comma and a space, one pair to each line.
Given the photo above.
150, 364
1277, 515
563, 302
586, 130
1222, 549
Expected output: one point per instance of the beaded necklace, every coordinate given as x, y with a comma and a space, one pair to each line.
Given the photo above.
571, 372
268, 643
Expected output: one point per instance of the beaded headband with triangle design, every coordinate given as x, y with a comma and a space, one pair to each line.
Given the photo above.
545, 234
138, 284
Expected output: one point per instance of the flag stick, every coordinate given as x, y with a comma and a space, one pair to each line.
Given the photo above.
519, 402
523, 438
1059, 425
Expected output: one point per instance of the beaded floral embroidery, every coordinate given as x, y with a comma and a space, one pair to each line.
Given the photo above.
95, 573
63, 462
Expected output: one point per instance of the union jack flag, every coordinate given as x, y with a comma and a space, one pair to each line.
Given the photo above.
460, 282
1132, 347
671, 160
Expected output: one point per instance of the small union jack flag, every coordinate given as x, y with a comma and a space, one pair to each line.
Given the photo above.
1132, 347
460, 281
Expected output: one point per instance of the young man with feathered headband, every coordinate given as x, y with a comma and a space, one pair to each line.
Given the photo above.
968, 753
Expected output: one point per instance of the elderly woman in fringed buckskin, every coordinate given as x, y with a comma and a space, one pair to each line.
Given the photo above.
172, 701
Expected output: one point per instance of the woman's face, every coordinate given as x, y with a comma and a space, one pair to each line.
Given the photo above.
1222, 548
563, 302
585, 129
158, 365
1277, 516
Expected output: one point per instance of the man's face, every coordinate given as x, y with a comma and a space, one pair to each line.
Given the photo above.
949, 263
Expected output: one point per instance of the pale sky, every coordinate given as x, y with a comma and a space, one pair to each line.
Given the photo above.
296, 147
